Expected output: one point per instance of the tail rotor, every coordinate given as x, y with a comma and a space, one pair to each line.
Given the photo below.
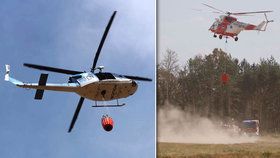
266, 22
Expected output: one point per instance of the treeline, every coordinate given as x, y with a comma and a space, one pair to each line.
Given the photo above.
252, 91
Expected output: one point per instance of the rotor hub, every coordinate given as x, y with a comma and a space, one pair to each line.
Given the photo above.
100, 68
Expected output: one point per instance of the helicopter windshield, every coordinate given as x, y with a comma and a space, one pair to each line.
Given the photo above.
118, 76
104, 76
228, 19
74, 78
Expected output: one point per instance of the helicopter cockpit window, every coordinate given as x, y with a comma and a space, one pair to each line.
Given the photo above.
104, 76
119, 76
229, 19
74, 78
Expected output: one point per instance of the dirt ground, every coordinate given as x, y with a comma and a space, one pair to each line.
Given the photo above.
264, 147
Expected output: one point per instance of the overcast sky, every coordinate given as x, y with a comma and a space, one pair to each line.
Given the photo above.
185, 30
66, 34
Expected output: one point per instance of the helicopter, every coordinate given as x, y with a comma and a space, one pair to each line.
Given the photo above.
228, 26
96, 86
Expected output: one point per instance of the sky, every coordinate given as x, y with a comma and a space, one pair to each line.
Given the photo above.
184, 30
66, 34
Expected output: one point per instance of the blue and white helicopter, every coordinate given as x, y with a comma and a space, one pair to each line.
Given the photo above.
100, 86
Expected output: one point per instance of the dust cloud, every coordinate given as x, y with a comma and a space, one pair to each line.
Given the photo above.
178, 126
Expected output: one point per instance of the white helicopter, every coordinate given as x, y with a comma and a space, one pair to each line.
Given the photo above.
100, 86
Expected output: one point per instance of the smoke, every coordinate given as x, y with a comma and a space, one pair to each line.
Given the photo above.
175, 125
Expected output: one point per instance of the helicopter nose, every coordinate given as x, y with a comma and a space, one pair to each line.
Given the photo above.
134, 84
133, 87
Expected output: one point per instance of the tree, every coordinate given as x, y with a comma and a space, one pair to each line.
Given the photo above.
167, 72
253, 91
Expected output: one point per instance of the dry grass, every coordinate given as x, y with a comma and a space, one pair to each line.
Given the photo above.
268, 147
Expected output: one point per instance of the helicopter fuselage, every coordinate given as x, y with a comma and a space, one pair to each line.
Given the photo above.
228, 26
103, 86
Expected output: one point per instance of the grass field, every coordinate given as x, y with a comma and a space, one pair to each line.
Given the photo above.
266, 147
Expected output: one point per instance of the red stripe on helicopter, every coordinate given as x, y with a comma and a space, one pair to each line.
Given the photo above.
250, 27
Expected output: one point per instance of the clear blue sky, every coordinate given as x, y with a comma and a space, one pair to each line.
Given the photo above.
185, 30
66, 33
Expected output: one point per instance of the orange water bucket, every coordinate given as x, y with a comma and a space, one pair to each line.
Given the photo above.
107, 123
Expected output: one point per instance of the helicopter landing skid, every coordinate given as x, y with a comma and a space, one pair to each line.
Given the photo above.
112, 105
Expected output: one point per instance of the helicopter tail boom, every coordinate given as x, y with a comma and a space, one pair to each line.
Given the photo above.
261, 25
66, 87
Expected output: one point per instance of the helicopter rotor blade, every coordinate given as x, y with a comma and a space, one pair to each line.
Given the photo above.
244, 15
203, 11
237, 13
138, 78
76, 114
221, 11
102, 41
52, 69
256, 12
